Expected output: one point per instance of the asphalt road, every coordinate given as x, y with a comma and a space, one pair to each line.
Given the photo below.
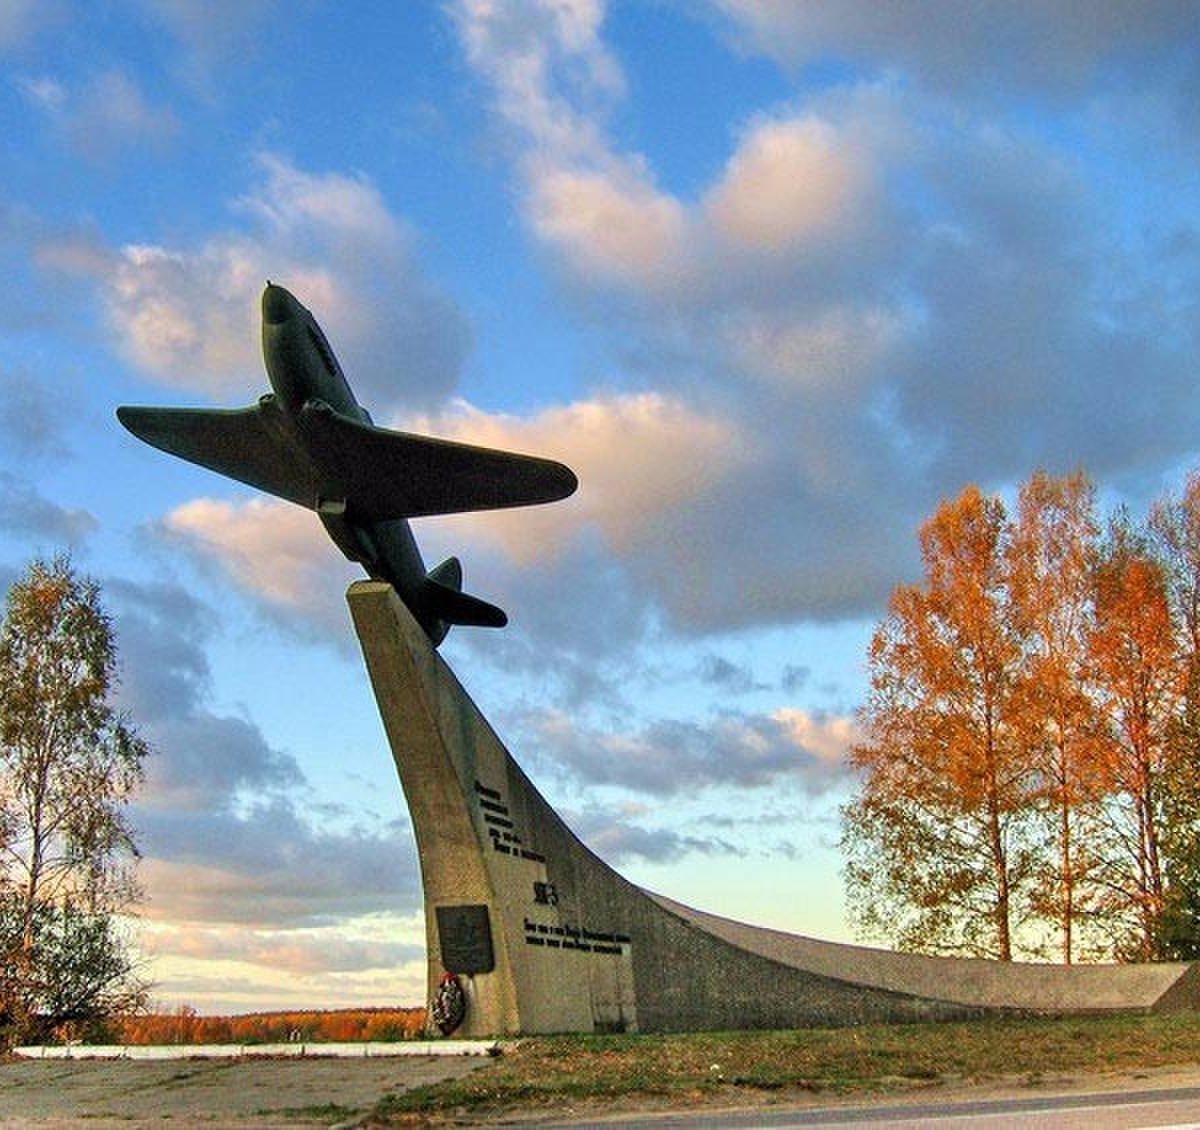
1145, 1107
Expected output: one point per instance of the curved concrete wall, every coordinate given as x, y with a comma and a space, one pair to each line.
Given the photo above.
546, 937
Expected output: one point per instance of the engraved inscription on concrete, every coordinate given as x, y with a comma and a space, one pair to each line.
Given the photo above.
501, 829
567, 937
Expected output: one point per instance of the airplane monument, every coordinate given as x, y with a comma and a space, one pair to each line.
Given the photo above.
527, 930
310, 442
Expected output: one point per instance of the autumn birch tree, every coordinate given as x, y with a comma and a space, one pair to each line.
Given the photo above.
1175, 530
937, 852
1139, 683
1052, 555
1031, 767
68, 766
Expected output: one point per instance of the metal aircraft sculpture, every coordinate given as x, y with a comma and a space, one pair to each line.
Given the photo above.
310, 442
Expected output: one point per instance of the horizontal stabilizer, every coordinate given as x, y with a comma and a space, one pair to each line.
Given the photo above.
454, 607
247, 444
387, 474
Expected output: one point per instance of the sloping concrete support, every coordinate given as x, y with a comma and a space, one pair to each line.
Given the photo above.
546, 937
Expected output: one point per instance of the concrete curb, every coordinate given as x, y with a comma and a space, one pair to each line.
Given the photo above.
266, 1051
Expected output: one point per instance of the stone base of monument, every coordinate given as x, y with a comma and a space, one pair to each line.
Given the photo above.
533, 933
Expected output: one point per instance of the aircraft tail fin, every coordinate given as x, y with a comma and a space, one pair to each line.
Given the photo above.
448, 573
442, 594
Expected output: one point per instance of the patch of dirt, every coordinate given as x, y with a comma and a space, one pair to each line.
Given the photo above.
216, 1093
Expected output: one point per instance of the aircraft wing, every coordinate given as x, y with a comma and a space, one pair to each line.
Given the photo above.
389, 474
243, 443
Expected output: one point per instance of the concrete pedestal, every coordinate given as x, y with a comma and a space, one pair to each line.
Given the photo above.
546, 937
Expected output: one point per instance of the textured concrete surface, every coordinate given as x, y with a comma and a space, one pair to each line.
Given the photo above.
966, 981
546, 937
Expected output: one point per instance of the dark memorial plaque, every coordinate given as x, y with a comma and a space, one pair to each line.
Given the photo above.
466, 936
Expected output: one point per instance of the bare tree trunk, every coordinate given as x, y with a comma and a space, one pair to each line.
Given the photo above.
1068, 873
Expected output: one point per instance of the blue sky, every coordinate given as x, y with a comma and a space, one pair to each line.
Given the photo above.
773, 277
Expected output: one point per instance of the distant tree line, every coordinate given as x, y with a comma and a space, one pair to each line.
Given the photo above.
1029, 778
184, 1025
69, 764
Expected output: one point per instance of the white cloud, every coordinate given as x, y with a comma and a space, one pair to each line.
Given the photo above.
670, 757
104, 116
28, 513
553, 79
638, 457
294, 203
185, 317
298, 952
271, 868
525, 48
991, 46
203, 761
827, 738
882, 295
188, 315
43, 91
242, 866
795, 182
112, 114
790, 183
609, 227
275, 551
830, 350
643, 461
620, 836
210, 36
241, 969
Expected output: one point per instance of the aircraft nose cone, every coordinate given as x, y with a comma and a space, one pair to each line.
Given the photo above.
277, 305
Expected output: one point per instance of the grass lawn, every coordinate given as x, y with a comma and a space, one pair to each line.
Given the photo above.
553, 1073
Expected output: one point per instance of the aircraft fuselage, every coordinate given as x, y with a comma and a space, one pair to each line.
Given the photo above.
305, 377
300, 364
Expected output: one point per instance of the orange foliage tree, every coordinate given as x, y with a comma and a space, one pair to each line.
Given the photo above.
1050, 577
1175, 528
347, 1025
1138, 681
937, 846
1031, 765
